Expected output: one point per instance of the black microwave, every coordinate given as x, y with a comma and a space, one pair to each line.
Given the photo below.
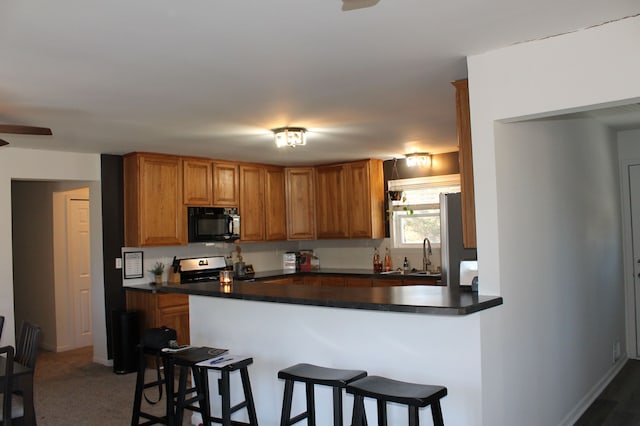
213, 224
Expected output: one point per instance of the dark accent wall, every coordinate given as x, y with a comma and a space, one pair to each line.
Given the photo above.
441, 164
112, 238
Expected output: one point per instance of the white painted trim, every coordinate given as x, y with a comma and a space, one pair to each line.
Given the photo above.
593, 394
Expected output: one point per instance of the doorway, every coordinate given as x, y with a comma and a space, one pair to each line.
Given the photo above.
51, 258
634, 257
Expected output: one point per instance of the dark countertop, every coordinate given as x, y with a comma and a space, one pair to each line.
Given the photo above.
365, 273
413, 299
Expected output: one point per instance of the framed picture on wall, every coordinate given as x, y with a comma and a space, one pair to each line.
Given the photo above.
133, 264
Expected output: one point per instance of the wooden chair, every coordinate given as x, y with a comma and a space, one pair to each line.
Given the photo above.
27, 348
12, 409
1, 324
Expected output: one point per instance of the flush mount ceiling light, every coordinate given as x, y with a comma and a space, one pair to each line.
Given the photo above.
290, 136
420, 159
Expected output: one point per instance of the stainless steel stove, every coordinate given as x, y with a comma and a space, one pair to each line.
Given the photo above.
201, 269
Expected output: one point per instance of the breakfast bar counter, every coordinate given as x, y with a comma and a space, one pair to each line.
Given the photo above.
415, 299
420, 334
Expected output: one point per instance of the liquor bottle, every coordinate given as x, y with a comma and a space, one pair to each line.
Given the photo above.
377, 264
387, 260
405, 266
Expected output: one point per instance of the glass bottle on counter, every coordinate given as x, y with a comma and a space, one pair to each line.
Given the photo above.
405, 266
387, 260
377, 263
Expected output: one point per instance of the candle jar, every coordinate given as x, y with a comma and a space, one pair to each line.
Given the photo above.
226, 277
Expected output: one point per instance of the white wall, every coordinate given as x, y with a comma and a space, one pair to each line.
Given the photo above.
539, 330
27, 164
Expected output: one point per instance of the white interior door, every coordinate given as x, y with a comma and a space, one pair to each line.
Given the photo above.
79, 261
634, 190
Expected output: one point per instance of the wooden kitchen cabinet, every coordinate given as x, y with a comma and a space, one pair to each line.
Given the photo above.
225, 184
325, 280
275, 217
358, 282
422, 281
252, 203
365, 181
262, 203
332, 216
197, 179
154, 214
465, 159
300, 198
170, 309
350, 200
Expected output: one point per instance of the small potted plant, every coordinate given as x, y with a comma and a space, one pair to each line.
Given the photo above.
157, 271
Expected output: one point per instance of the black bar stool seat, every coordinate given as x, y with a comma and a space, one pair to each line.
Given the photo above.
312, 375
240, 364
387, 390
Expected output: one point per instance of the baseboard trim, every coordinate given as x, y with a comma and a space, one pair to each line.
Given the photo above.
593, 394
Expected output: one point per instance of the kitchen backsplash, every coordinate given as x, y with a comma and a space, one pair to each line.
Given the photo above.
267, 256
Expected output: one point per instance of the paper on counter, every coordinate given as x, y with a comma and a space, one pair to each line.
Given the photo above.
222, 361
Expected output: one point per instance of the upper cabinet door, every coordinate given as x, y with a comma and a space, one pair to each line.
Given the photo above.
366, 199
466, 164
154, 213
275, 217
252, 227
225, 184
197, 180
332, 218
301, 209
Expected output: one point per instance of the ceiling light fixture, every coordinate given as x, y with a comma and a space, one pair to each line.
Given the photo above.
290, 136
420, 159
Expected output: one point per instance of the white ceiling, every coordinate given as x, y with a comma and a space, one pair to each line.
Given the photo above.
212, 77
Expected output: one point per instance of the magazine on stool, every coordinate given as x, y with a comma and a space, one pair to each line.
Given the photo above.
222, 360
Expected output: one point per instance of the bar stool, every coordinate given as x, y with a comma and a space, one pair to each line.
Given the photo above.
236, 364
160, 382
315, 375
384, 390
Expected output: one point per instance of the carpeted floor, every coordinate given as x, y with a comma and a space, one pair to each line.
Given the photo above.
69, 389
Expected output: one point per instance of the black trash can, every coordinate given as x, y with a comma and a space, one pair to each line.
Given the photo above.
125, 336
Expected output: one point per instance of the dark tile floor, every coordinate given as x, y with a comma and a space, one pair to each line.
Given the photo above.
619, 403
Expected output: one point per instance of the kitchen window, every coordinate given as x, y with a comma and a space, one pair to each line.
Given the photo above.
416, 214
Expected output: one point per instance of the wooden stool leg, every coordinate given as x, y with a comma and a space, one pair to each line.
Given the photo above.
286, 403
182, 394
337, 406
168, 382
311, 406
201, 377
359, 417
382, 413
436, 414
248, 397
137, 399
414, 420
225, 392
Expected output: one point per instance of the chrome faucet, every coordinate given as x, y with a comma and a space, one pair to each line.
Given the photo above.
426, 253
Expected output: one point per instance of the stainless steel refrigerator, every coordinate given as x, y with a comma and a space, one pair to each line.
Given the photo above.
451, 246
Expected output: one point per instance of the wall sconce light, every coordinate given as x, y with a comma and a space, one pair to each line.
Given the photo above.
290, 136
420, 159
